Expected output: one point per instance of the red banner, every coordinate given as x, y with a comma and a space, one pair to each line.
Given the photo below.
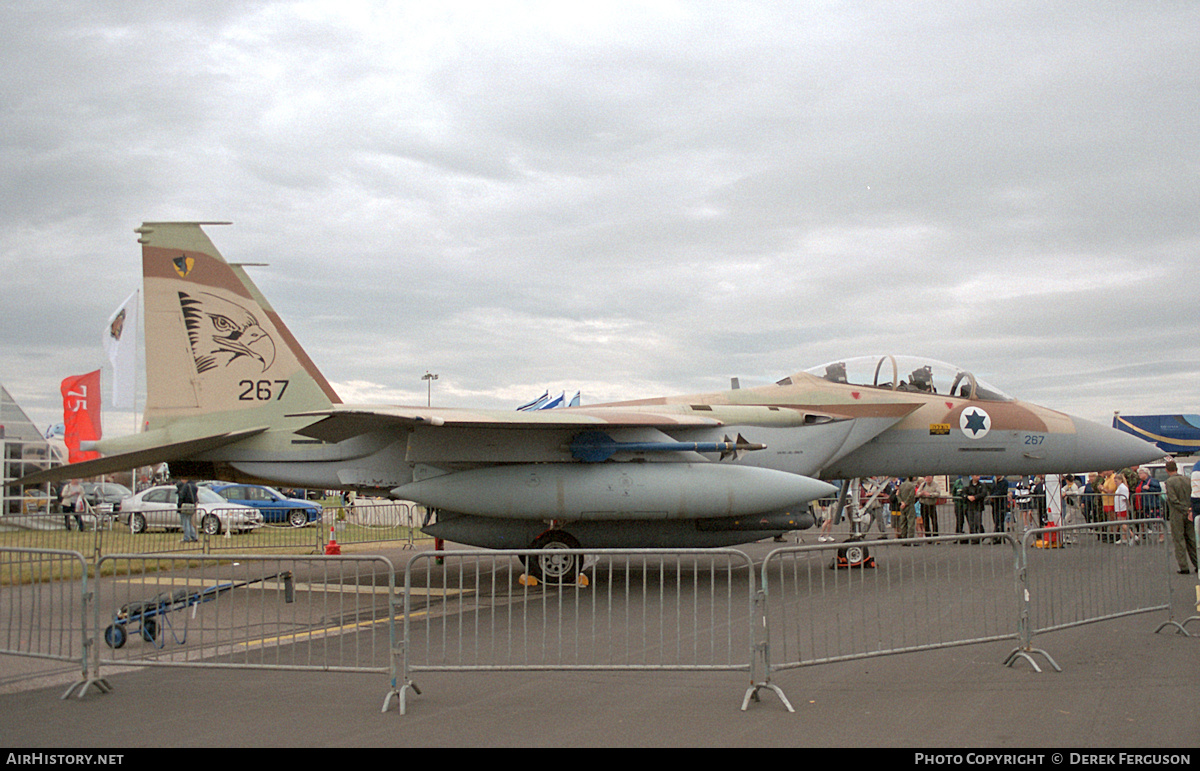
81, 414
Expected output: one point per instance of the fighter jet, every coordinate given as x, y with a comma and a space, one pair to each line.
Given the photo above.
232, 395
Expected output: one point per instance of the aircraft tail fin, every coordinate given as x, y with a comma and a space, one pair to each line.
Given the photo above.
214, 345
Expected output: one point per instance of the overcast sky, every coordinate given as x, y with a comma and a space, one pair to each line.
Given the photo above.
629, 199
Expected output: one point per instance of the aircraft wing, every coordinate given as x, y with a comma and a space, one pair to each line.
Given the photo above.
149, 456
338, 424
452, 438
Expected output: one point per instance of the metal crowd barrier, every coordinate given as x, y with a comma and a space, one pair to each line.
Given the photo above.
1194, 527
394, 522
391, 522
1196, 573
949, 515
44, 612
43, 530
640, 610
278, 536
372, 523
246, 611
837, 602
1080, 574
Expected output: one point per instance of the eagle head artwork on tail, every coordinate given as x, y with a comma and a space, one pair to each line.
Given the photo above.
223, 333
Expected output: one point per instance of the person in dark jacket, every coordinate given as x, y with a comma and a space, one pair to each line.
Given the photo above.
998, 497
1038, 494
186, 497
908, 507
1092, 510
975, 493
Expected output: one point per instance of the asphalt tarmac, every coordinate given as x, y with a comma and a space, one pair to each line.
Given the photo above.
1122, 686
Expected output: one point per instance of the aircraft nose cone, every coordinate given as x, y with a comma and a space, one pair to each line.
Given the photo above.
1101, 447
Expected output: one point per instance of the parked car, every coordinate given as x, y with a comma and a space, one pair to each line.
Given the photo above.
211, 483
1159, 470
274, 505
157, 507
36, 501
105, 496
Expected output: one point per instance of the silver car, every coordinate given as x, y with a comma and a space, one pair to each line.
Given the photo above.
105, 497
157, 507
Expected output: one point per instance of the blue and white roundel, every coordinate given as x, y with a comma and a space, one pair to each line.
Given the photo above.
974, 422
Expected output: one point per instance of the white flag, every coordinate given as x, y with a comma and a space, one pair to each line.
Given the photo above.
120, 343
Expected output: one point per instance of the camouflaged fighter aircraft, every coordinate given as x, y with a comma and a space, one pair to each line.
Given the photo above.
231, 395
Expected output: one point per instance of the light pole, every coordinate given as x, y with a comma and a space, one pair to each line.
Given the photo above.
429, 378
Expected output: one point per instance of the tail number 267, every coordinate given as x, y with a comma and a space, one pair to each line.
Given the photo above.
262, 390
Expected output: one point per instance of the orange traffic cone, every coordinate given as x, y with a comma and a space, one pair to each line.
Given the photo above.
333, 547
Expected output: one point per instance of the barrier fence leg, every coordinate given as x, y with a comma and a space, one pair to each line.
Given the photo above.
1026, 652
1196, 570
90, 649
1179, 628
761, 652
400, 694
1024, 630
399, 652
1190, 619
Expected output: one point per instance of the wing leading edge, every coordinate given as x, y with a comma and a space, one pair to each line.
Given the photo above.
339, 424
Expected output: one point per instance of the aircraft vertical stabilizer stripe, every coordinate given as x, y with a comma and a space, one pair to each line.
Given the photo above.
1172, 433
288, 337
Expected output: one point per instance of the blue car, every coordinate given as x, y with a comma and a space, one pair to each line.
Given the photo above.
274, 505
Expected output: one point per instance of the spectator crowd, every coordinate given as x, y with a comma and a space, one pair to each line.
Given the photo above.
908, 507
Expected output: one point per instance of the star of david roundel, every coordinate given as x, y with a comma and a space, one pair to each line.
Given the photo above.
974, 422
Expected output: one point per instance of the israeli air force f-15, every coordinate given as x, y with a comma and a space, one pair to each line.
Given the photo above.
232, 395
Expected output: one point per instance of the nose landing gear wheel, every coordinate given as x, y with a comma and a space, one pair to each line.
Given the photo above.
554, 567
853, 555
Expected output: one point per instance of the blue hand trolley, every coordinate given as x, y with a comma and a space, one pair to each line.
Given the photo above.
146, 614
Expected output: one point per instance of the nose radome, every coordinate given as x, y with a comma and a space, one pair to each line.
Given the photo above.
1101, 447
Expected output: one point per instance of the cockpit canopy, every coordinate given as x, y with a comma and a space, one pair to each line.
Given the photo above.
907, 373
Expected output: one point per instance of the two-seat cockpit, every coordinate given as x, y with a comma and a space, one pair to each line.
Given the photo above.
907, 373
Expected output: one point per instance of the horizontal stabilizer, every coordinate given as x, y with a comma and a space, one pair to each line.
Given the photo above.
163, 453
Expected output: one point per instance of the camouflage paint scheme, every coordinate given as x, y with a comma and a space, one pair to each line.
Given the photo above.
232, 395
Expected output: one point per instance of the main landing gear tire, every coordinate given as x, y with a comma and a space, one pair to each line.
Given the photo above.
554, 567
